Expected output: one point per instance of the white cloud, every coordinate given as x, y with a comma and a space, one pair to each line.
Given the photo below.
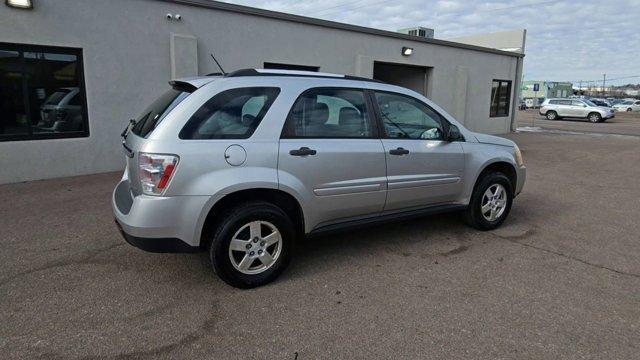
566, 40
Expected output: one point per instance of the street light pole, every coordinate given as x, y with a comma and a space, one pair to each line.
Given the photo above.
604, 79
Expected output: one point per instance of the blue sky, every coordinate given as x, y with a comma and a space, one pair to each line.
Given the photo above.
566, 39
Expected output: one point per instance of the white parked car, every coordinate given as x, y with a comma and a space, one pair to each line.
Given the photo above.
629, 105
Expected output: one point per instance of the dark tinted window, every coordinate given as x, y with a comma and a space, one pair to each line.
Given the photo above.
500, 98
36, 85
231, 114
156, 112
330, 113
408, 118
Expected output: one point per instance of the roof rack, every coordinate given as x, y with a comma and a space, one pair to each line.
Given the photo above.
296, 73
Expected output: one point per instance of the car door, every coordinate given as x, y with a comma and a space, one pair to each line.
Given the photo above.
579, 109
331, 154
636, 106
422, 167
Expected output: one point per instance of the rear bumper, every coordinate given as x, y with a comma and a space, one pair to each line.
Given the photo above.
157, 245
158, 224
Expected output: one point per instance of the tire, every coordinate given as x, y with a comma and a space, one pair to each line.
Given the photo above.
551, 115
629, 109
239, 226
594, 117
474, 216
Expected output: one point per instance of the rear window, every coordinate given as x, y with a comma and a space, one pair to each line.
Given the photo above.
56, 97
231, 114
157, 111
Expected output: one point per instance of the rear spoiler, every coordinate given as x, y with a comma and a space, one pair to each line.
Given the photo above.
179, 85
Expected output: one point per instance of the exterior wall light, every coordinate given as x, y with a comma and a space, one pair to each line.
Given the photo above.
407, 51
19, 4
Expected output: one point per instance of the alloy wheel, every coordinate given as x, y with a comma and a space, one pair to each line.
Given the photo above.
255, 247
494, 202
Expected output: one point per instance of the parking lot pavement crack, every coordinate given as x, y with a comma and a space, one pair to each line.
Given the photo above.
557, 253
81, 258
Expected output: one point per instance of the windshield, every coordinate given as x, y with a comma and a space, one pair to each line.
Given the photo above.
589, 103
153, 115
627, 103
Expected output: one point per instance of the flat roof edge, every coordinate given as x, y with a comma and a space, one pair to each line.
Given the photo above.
332, 24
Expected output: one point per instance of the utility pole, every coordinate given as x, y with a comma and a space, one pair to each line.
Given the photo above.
580, 88
604, 79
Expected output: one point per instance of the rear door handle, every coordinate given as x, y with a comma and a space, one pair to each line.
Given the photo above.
303, 151
399, 151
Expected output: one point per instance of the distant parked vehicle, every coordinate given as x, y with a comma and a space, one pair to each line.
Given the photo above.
61, 111
629, 105
522, 105
555, 109
600, 102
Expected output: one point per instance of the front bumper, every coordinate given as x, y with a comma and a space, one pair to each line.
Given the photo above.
158, 224
521, 178
610, 115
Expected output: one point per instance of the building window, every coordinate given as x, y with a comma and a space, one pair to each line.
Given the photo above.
500, 98
42, 93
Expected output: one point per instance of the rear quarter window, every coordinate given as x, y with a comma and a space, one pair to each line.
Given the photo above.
231, 114
157, 111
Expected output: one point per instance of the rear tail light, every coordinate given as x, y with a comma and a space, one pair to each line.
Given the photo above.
155, 171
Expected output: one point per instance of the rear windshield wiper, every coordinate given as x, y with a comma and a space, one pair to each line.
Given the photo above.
131, 124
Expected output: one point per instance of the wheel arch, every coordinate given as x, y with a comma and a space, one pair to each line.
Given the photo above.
502, 166
284, 200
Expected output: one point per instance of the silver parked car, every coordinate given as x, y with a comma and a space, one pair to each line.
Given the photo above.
62, 111
628, 105
243, 165
555, 109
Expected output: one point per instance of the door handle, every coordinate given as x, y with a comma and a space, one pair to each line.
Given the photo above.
303, 151
399, 151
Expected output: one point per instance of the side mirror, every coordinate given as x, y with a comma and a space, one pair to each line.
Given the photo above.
453, 134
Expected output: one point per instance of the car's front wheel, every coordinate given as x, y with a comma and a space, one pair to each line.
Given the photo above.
552, 115
252, 245
595, 117
490, 203
629, 109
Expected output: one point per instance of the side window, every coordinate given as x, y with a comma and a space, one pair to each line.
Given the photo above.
329, 113
404, 117
577, 103
231, 114
500, 98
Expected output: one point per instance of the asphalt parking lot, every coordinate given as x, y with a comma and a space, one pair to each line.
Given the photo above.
623, 123
560, 279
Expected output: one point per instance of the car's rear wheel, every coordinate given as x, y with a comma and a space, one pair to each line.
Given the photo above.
594, 117
252, 245
490, 203
552, 115
629, 109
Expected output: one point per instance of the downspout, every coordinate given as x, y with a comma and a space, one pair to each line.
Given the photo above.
518, 82
516, 93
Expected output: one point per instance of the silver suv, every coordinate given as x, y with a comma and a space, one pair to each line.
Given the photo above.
243, 165
555, 109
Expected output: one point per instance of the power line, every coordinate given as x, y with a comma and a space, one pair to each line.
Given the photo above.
337, 6
498, 9
357, 7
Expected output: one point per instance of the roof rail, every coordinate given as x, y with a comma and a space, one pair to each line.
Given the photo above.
296, 73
